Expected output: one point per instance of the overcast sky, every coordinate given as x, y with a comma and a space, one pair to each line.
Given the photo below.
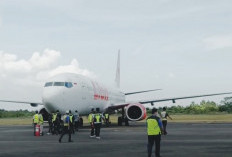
181, 46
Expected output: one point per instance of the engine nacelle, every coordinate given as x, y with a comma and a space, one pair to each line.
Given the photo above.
136, 112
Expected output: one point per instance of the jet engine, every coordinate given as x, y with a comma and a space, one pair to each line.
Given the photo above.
135, 112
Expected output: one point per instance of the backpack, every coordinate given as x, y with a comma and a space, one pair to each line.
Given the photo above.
67, 119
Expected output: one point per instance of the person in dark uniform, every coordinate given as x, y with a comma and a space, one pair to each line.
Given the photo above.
58, 121
50, 123
154, 129
54, 123
164, 115
97, 120
66, 129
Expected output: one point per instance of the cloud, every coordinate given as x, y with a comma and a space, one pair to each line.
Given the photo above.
218, 42
37, 68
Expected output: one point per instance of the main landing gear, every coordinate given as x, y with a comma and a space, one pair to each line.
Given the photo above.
123, 119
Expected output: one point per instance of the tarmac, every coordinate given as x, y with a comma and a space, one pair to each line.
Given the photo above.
183, 140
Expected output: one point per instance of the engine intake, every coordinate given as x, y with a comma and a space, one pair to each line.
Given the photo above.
136, 112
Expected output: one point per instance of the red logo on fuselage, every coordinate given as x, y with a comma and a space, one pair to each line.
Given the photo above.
100, 93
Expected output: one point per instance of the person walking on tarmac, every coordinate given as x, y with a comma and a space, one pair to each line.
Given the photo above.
97, 120
66, 130
35, 120
107, 118
154, 129
71, 122
90, 118
164, 116
76, 120
41, 121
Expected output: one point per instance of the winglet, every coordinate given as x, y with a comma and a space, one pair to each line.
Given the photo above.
117, 78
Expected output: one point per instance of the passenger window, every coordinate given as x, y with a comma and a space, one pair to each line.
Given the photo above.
47, 84
68, 84
58, 83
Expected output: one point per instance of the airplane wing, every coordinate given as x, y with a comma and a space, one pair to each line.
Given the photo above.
178, 98
118, 106
33, 104
142, 91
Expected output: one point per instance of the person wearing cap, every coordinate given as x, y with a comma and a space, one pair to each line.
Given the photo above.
66, 129
164, 115
90, 119
76, 120
97, 120
154, 129
35, 120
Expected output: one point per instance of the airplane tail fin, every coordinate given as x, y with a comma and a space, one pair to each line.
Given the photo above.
117, 78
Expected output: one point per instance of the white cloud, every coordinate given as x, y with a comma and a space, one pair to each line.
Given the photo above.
37, 68
218, 42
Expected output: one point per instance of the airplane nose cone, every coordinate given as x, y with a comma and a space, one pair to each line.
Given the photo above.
52, 98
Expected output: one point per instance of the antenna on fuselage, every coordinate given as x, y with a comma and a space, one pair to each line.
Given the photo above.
117, 78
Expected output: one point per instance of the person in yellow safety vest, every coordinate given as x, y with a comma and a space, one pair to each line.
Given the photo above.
71, 122
35, 120
41, 121
97, 120
154, 130
54, 122
107, 119
164, 116
90, 118
66, 129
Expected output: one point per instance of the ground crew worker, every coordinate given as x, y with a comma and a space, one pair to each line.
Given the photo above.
98, 117
58, 121
41, 121
164, 116
90, 118
54, 122
76, 120
107, 119
66, 129
35, 120
71, 122
154, 129
50, 124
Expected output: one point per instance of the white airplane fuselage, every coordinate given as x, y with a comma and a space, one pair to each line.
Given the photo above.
76, 92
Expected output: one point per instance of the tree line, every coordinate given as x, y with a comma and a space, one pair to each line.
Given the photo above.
204, 107
19, 113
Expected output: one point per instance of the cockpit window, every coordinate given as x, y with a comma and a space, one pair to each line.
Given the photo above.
68, 84
58, 84
47, 84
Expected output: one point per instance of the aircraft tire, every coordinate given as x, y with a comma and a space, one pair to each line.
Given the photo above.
81, 122
119, 121
126, 122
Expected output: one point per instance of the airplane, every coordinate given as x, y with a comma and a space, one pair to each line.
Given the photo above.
69, 91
